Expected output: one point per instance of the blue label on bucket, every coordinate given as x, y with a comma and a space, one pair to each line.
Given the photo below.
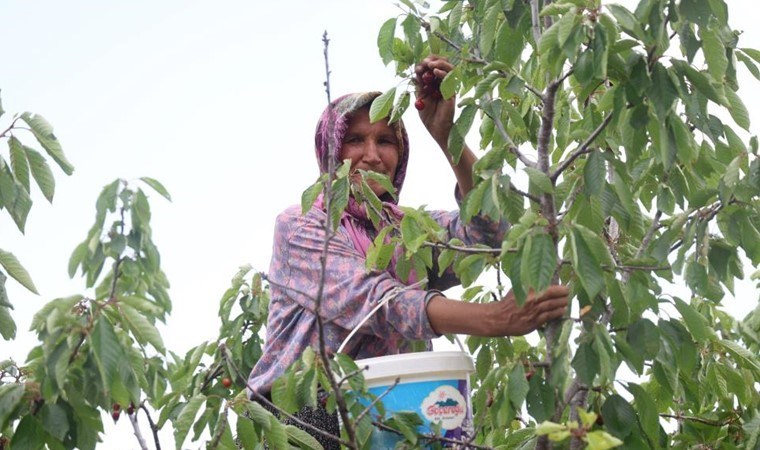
443, 402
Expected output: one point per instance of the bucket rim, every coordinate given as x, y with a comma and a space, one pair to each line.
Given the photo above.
458, 364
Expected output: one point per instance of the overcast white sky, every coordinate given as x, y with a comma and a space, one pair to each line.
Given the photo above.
218, 101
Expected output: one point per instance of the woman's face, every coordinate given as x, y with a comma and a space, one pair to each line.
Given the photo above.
371, 147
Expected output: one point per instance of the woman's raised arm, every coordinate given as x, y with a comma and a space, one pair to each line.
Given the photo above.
437, 114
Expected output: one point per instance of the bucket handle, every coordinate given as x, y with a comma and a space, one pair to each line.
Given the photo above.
387, 298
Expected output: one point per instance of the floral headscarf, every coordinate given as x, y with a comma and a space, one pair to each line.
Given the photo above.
339, 113
354, 218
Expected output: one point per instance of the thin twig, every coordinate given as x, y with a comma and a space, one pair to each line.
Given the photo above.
649, 235
511, 147
377, 399
530, 197
714, 423
432, 437
348, 425
10, 127
583, 149
352, 374
467, 250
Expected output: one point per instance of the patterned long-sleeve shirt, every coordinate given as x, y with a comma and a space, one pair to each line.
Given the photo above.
350, 292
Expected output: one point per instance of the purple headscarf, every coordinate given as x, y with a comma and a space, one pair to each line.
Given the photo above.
339, 112
354, 218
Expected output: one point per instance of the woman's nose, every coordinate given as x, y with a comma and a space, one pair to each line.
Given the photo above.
371, 153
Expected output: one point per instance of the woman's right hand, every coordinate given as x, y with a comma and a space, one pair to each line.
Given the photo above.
513, 320
502, 318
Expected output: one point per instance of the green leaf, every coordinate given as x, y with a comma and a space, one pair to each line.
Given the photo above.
14, 197
662, 91
379, 254
586, 363
540, 399
19, 163
142, 328
157, 186
302, 438
509, 44
54, 420
695, 322
186, 418
540, 179
14, 268
458, 132
647, 411
586, 265
10, 400
43, 131
594, 174
277, 437
619, 416
627, 21
310, 195
644, 337
246, 433
450, 83
539, 261
737, 109
400, 107
29, 434
407, 423
744, 357
41, 173
106, 350
7, 325
385, 40
488, 27
715, 53
381, 105
600, 440
517, 386
259, 415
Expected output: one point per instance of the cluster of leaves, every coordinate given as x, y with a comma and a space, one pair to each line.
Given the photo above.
23, 165
610, 143
95, 353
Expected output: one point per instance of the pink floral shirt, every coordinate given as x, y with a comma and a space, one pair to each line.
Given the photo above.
350, 292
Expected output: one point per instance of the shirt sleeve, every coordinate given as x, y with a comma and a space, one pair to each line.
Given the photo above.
349, 290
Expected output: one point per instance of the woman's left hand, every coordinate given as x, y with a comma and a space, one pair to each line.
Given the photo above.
436, 113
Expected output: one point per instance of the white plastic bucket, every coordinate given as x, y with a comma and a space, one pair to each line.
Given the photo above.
435, 385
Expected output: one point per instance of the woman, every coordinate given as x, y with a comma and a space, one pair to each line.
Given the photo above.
351, 291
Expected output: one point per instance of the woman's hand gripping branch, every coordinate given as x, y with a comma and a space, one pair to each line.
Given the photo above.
501, 318
437, 115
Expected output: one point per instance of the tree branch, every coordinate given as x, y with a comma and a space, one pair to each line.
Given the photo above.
138, 434
153, 426
348, 425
